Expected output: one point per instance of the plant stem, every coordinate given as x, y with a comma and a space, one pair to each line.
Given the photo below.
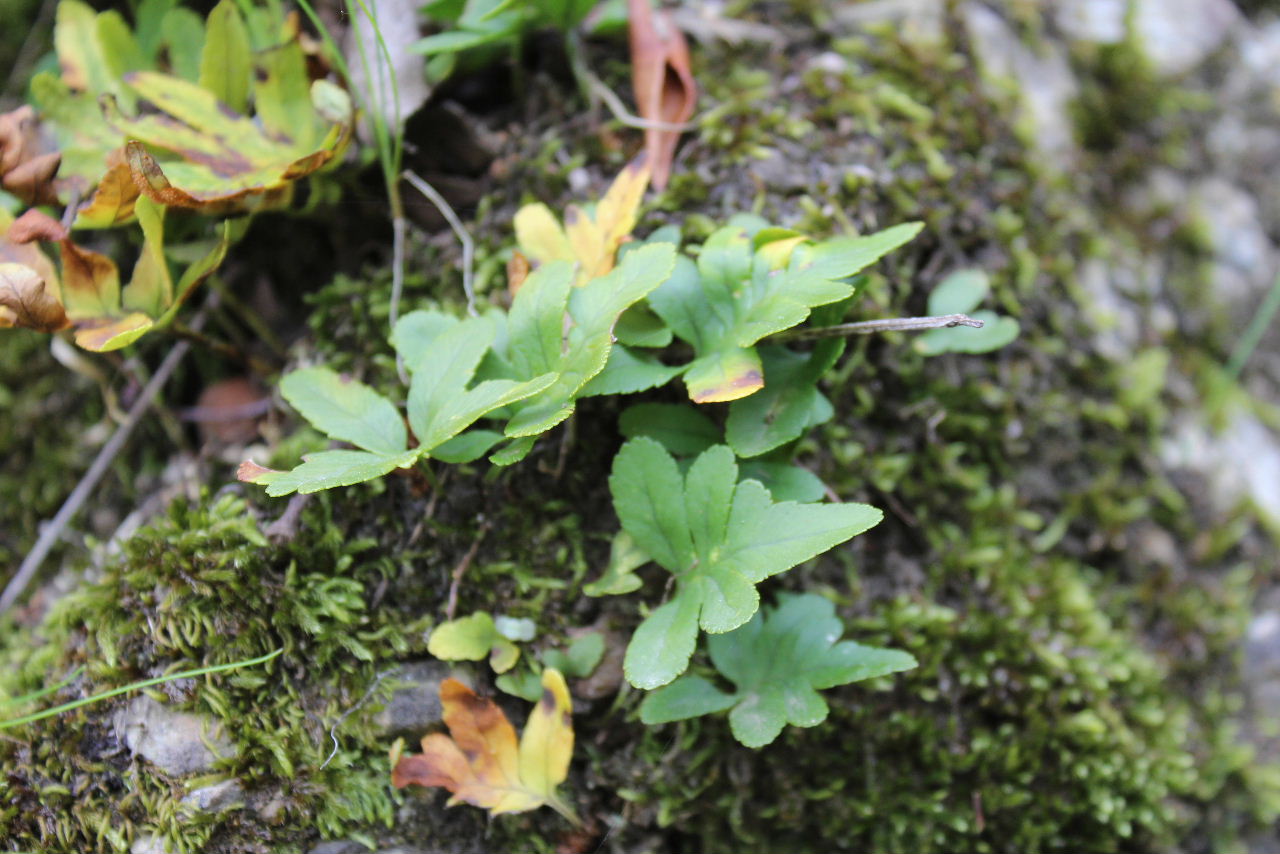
464, 236
869, 327
1256, 329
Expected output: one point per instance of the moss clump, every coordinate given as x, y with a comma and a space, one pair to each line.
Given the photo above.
1058, 705
203, 587
1032, 724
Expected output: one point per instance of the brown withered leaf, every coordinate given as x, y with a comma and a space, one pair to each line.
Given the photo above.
664, 86
36, 225
479, 761
27, 301
27, 163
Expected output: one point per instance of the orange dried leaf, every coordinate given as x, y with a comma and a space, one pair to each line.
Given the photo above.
517, 272
664, 86
27, 163
249, 472
480, 762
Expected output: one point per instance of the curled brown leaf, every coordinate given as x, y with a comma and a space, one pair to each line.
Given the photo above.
27, 162
664, 86
27, 301
36, 225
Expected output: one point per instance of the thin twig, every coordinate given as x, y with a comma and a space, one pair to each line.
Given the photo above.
869, 327
593, 87
461, 569
464, 236
333, 730
52, 531
285, 528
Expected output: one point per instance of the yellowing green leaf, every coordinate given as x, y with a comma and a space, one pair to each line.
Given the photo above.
540, 235
112, 201
591, 240
226, 159
472, 638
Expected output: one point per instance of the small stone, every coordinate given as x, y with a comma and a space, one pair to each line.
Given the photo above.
915, 21
149, 844
1178, 35
215, 798
177, 742
338, 846
1217, 456
1116, 319
1262, 646
1093, 21
1044, 78
1245, 260
414, 706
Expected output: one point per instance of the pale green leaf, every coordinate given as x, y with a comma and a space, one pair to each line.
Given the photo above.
327, 469
226, 60
346, 409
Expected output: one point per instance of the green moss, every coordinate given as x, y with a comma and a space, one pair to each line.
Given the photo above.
1075, 692
202, 587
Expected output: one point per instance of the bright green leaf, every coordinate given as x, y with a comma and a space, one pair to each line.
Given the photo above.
554, 327
329, 469
778, 661
346, 409
959, 293
742, 291
629, 372
720, 537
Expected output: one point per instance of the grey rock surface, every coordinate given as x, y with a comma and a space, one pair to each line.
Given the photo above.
1044, 78
414, 705
178, 743
216, 797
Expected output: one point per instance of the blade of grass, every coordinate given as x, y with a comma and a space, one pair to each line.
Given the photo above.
36, 695
1256, 329
390, 146
146, 683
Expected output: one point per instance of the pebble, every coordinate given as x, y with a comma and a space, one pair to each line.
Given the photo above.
176, 742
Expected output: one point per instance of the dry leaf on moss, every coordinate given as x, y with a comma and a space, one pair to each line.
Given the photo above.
479, 761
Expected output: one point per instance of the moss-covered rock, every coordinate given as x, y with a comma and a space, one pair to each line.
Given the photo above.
1077, 684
